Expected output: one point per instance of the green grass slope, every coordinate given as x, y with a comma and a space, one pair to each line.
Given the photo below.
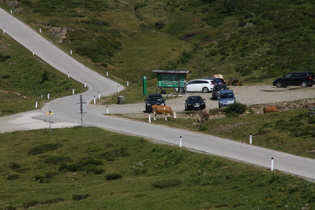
26, 79
252, 40
89, 168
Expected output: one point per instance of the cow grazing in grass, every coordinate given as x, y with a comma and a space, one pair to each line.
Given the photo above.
269, 109
203, 115
162, 109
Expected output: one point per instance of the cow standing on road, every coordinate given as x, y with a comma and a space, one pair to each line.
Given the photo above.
162, 109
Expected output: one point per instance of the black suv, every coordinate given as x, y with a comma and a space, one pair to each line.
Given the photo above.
301, 78
153, 99
216, 89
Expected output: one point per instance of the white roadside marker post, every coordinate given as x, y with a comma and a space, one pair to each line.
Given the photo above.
180, 141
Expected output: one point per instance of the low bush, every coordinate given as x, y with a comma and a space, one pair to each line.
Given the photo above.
159, 25
29, 204
44, 148
13, 176
112, 155
45, 178
57, 159
113, 176
235, 109
166, 183
51, 201
88, 165
9, 208
80, 196
311, 120
14, 166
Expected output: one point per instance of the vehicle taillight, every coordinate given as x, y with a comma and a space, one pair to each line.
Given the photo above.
311, 78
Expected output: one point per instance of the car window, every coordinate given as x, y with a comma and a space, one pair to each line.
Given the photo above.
155, 98
226, 95
287, 76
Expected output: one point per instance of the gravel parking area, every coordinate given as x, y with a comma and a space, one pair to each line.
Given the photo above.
248, 95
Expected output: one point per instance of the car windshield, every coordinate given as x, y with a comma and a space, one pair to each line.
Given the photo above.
226, 95
155, 98
194, 98
220, 87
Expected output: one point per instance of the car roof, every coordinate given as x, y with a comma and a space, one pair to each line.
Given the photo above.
199, 80
301, 72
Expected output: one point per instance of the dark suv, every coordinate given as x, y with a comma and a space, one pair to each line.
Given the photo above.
153, 99
301, 78
216, 89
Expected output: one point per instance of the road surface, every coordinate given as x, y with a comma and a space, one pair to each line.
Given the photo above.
65, 110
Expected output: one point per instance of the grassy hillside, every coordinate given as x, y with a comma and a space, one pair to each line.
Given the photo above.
26, 79
89, 168
252, 40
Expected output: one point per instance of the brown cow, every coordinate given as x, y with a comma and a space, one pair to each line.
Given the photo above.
203, 115
162, 109
268, 109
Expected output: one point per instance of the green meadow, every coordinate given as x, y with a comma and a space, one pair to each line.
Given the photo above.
89, 168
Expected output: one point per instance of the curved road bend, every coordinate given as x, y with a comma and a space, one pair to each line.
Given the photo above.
65, 109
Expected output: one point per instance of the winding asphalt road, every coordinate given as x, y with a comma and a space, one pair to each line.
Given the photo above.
65, 110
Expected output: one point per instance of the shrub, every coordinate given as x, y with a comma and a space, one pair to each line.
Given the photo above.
159, 25
44, 178
4, 57
13, 176
88, 165
9, 208
112, 155
113, 176
235, 109
30, 204
44, 148
52, 201
138, 171
203, 128
14, 166
80, 197
138, 6
311, 120
6, 76
166, 183
57, 159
